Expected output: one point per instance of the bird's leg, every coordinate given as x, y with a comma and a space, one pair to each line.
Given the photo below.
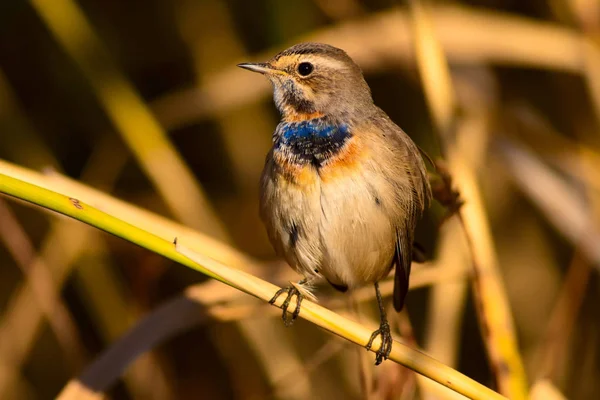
384, 331
291, 291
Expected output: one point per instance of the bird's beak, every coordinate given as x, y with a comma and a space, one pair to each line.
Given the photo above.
263, 68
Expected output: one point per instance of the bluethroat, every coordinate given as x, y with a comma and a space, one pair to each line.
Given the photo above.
343, 186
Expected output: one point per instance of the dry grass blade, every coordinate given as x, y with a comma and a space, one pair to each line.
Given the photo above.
332, 347
196, 306
65, 243
545, 390
576, 159
591, 56
383, 38
585, 13
565, 207
129, 114
448, 297
553, 349
433, 68
18, 334
198, 22
559, 201
76, 391
170, 319
493, 309
420, 277
264, 337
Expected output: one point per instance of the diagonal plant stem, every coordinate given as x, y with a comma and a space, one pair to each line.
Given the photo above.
146, 220
350, 330
320, 316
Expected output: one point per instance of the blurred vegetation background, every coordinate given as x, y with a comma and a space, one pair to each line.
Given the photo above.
142, 100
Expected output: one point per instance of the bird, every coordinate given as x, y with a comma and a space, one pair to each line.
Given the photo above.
343, 186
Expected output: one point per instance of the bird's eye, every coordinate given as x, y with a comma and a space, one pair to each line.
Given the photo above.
305, 68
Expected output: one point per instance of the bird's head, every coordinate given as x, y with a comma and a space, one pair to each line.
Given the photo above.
312, 80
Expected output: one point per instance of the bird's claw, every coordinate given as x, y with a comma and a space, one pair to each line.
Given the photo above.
386, 342
291, 291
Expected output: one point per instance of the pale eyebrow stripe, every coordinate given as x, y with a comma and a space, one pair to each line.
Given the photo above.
325, 61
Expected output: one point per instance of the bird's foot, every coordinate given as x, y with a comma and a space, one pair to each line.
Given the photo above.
291, 292
386, 342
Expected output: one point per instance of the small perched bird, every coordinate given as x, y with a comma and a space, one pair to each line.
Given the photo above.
343, 186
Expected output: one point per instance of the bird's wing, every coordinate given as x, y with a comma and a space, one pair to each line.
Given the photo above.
403, 263
409, 168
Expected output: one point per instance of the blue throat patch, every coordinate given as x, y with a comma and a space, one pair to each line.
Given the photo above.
312, 141
314, 128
